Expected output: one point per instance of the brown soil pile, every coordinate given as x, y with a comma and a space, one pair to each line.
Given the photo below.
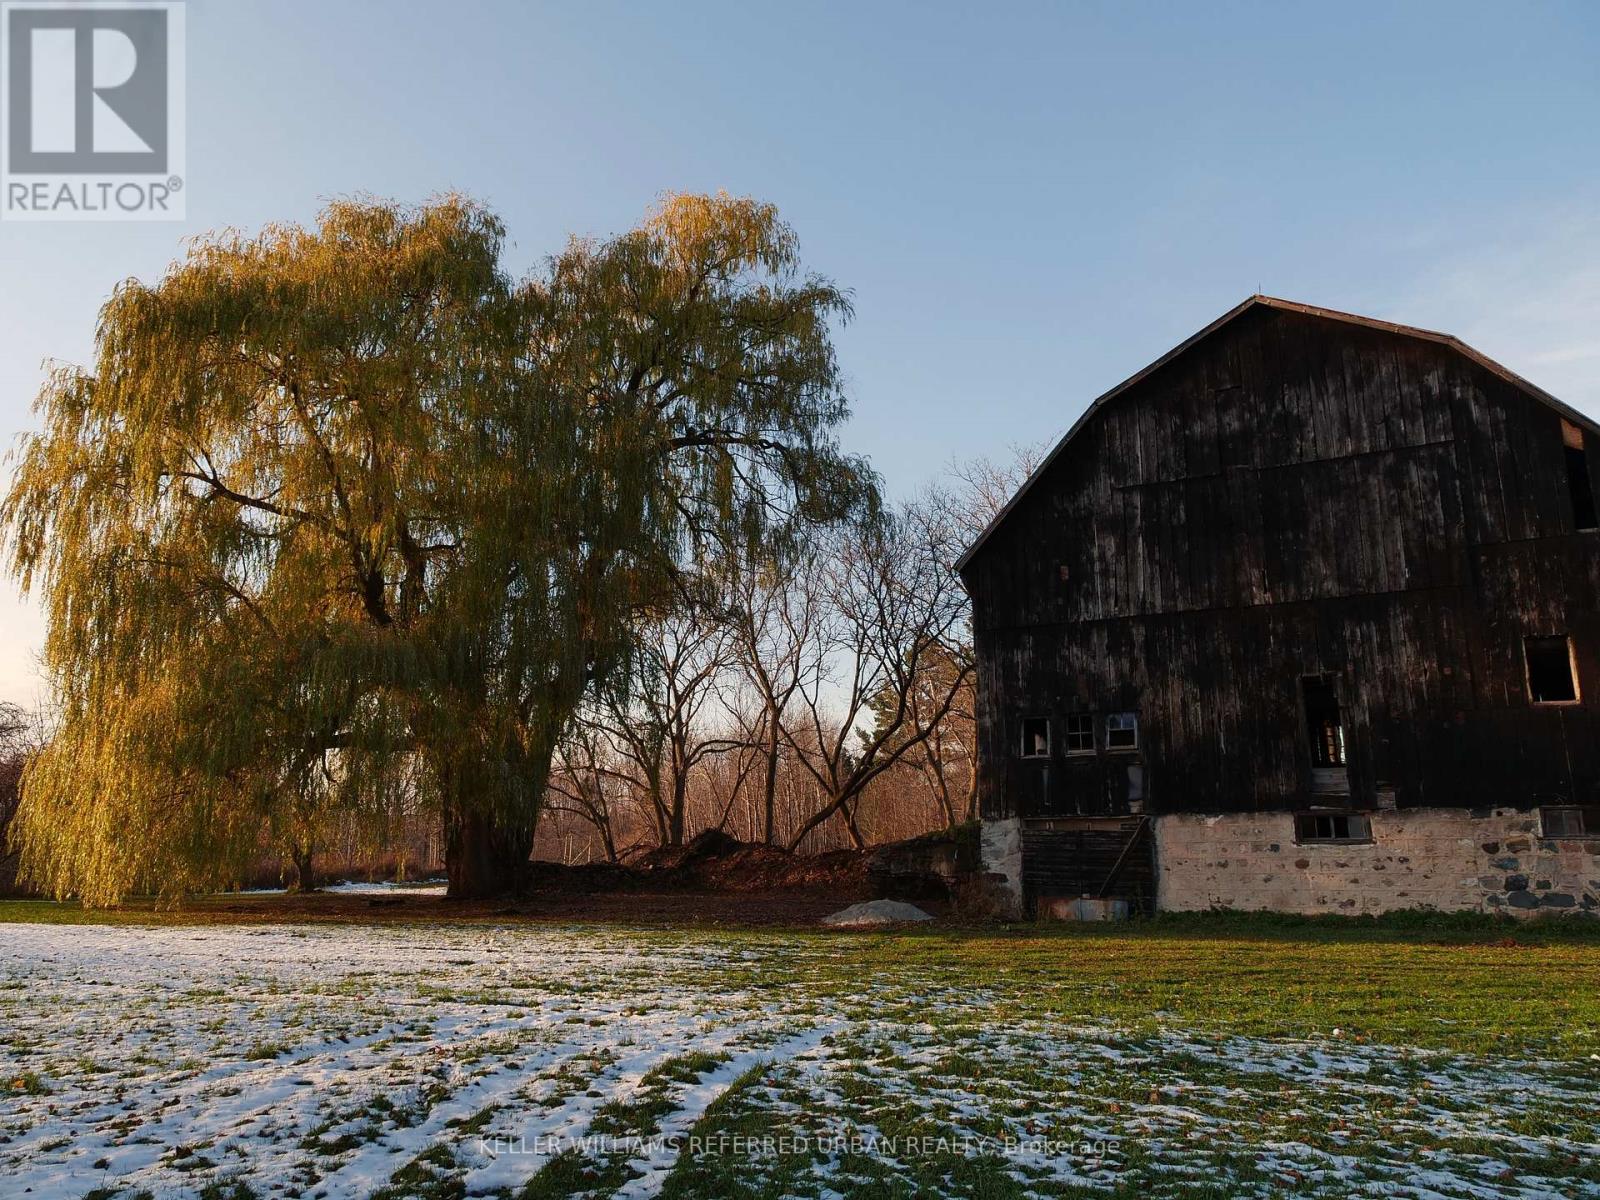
715, 880
713, 862
640, 908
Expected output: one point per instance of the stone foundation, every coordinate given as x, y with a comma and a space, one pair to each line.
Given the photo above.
1439, 858
1000, 862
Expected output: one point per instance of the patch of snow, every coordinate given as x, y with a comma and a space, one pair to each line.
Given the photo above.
426, 887
168, 1059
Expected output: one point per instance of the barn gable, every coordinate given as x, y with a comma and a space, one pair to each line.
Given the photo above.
1227, 319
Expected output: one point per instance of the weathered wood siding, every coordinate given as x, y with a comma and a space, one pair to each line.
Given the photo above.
1113, 857
1294, 496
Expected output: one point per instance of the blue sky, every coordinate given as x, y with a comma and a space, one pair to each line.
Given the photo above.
1028, 202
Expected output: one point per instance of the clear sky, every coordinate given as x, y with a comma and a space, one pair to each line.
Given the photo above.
1028, 202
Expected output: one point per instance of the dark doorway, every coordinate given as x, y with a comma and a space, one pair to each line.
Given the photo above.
1550, 674
1324, 725
1579, 487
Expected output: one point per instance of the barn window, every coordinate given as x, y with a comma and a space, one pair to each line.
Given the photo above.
1552, 674
1035, 737
1579, 486
1570, 821
1332, 827
1080, 733
1122, 731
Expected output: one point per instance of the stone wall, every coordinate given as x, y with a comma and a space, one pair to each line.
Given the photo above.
1438, 858
923, 868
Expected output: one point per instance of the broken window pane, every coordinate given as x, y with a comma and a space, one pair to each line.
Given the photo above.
1035, 737
1122, 731
1550, 675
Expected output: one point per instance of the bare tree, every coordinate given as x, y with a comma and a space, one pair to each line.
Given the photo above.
983, 487
892, 605
666, 718
946, 756
940, 717
582, 781
14, 727
828, 703
776, 620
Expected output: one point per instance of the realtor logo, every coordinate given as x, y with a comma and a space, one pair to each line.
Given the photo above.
93, 121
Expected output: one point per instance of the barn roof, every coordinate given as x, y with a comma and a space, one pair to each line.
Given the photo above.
1260, 301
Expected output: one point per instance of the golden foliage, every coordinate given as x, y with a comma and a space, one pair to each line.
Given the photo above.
343, 516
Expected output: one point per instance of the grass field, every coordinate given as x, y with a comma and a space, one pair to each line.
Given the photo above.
1209, 1057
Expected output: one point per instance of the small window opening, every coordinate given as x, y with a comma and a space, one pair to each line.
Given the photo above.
1122, 731
1035, 737
1570, 821
1332, 827
1551, 678
1324, 723
1080, 733
1579, 486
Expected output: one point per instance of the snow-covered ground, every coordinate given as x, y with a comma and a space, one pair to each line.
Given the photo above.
327, 1062
431, 887
351, 887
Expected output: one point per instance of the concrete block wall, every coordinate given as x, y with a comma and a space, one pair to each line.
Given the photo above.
1439, 858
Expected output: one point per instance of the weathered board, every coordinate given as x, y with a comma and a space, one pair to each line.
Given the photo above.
1065, 860
1294, 496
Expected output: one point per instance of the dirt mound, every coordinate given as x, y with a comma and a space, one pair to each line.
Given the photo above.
711, 844
712, 862
874, 914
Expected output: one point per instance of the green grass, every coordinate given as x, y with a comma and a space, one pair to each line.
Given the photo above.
263, 1051
1194, 1056
230, 1189
1455, 981
235, 909
431, 1175
571, 1174
1453, 985
26, 1083
1464, 996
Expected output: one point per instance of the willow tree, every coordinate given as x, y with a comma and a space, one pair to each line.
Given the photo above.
344, 515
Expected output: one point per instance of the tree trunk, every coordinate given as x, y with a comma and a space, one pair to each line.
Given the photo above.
771, 834
487, 845
680, 802
305, 879
487, 856
854, 830
658, 808
837, 804
933, 755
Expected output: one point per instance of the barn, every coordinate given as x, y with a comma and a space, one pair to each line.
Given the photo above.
1305, 616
